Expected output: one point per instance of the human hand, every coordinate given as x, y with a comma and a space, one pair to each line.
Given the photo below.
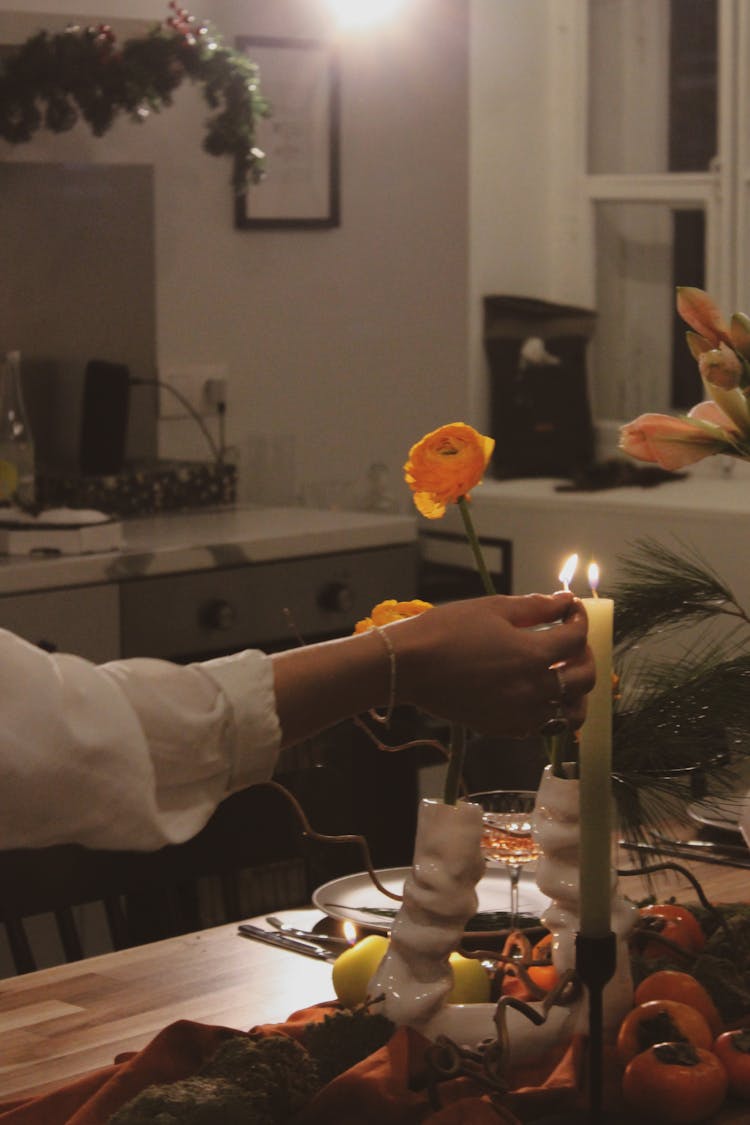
486, 662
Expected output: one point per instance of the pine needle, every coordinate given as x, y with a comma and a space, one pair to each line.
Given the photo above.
676, 719
663, 589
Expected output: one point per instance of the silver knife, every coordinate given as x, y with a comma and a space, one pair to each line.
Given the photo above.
307, 935
294, 945
675, 852
739, 851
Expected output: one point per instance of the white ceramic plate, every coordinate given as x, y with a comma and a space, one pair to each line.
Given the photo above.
719, 812
347, 897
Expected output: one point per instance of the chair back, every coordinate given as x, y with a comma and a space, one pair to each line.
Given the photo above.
250, 857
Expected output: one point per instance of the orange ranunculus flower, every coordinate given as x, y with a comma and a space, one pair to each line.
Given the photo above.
676, 442
445, 465
391, 610
701, 312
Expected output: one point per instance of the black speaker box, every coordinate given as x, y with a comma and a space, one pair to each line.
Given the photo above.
104, 421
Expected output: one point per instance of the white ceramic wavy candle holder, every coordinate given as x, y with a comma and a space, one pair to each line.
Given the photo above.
557, 828
439, 898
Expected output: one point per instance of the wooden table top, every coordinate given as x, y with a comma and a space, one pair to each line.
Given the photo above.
59, 1023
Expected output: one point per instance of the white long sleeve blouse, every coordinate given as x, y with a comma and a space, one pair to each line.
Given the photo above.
136, 753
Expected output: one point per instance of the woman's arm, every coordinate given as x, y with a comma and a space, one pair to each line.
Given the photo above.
138, 753
484, 662
133, 754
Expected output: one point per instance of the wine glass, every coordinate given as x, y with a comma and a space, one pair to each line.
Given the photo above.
507, 836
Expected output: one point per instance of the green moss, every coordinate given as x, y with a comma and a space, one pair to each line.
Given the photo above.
275, 1064
342, 1040
196, 1101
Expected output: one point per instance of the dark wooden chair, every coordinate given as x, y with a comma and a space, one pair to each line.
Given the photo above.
252, 853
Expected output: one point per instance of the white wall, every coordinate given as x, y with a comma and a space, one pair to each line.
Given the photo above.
354, 340
512, 126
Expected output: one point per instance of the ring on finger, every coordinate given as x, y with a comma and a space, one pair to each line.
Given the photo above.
562, 687
557, 724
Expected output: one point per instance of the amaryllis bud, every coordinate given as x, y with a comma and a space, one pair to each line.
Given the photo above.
700, 311
721, 367
697, 344
674, 443
739, 330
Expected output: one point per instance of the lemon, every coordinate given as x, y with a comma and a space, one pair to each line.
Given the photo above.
471, 984
353, 969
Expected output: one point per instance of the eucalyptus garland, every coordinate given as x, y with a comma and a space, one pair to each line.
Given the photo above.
53, 80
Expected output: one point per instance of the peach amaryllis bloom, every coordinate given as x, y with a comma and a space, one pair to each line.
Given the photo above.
676, 442
445, 465
739, 330
721, 367
384, 613
702, 314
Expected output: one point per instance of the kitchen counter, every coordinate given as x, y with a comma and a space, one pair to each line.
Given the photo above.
704, 511
189, 585
175, 543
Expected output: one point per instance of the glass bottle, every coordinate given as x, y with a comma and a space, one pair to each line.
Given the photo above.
17, 484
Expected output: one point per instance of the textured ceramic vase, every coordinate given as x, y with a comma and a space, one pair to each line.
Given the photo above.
557, 827
439, 898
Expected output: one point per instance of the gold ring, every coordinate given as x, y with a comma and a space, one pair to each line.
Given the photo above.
562, 687
557, 724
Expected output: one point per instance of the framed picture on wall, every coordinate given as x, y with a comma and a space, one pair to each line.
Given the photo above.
300, 80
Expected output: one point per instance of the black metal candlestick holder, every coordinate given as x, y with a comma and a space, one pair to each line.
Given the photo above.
596, 960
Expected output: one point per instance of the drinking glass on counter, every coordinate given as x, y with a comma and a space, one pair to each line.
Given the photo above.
507, 835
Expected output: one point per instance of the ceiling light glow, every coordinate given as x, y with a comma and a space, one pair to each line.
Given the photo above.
363, 13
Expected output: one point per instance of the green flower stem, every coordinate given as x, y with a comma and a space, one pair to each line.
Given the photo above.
471, 535
456, 755
457, 747
554, 744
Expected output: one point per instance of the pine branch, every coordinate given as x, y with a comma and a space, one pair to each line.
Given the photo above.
682, 715
663, 590
676, 717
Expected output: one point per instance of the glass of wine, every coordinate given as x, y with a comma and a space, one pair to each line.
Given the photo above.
508, 836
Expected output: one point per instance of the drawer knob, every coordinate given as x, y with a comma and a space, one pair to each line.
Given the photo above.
336, 597
218, 614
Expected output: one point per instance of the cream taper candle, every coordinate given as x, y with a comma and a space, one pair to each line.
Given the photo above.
595, 758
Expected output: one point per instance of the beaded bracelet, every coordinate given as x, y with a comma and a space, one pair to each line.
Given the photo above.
386, 718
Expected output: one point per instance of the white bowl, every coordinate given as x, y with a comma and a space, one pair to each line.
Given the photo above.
469, 1024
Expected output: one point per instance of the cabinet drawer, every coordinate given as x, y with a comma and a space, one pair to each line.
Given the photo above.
186, 616
83, 620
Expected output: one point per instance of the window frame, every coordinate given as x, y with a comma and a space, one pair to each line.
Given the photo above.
723, 191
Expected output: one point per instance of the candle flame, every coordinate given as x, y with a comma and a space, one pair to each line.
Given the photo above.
350, 932
593, 575
568, 570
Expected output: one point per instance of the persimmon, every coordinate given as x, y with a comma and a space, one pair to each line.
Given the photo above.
545, 976
661, 1021
733, 1050
517, 949
675, 1083
671, 984
674, 923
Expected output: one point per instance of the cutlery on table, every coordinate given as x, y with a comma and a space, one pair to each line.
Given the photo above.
282, 941
677, 852
306, 935
740, 851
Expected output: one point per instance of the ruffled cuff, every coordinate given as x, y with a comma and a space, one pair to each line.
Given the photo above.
246, 679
